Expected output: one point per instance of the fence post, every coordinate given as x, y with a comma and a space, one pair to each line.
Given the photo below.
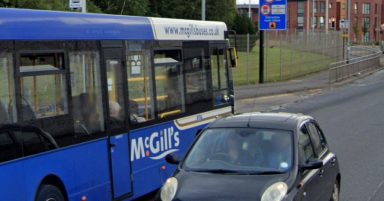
281, 76
248, 58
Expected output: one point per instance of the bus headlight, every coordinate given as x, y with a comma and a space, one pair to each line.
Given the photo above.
168, 191
275, 192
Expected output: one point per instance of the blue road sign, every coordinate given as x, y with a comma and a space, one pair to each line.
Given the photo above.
273, 15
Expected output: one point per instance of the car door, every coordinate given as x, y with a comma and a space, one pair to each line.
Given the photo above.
329, 169
310, 179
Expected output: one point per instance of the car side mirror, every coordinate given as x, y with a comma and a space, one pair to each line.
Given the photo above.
172, 159
311, 165
198, 132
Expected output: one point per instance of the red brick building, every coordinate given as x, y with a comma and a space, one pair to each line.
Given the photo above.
324, 15
366, 18
316, 15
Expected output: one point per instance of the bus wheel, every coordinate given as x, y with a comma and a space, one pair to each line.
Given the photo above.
49, 193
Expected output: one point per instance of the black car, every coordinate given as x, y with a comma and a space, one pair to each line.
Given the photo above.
18, 141
257, 156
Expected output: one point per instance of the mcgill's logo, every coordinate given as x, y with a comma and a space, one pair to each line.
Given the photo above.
156, 146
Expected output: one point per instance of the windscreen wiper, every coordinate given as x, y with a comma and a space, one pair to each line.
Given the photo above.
265, 172
218, 171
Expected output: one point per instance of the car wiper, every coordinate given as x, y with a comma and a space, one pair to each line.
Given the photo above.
265, 172
219, 171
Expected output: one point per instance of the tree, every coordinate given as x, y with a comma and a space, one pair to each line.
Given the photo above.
216, 10
175, 9
44, 5
123, 7
243, 25
222, 10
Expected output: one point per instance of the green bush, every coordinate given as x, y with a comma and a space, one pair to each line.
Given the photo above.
243, 24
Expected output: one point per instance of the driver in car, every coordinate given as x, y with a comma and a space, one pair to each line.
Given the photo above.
236, 153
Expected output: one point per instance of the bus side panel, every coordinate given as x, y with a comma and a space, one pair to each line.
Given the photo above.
12, 186
83, 169
149, 146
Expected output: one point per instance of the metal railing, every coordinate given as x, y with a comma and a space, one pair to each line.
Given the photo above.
361, 60
287, 54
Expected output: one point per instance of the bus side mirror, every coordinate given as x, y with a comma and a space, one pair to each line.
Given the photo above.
233, 57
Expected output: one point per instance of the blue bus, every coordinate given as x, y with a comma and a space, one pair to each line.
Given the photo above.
90, 104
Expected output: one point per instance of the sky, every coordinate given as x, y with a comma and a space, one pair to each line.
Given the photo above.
247, 1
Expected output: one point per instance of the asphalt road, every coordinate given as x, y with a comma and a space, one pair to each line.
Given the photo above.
352, 118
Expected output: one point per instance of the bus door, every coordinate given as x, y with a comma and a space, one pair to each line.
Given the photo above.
118, 138
221, 75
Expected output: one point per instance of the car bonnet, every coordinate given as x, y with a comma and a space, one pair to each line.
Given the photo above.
212, 186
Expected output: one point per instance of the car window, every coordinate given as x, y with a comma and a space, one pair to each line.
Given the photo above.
47, 144
31, 141
306, 151
8, 148
242, 149
317, 140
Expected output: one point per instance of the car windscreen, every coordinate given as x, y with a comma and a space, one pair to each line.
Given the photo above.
242, 151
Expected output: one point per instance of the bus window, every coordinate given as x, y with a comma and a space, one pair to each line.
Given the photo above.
43, 88
196, 68
139, 82
7, 95
115, 93
86, 92
169, 83
219, 76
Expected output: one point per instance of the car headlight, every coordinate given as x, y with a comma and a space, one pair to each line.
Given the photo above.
275, 192
168, 191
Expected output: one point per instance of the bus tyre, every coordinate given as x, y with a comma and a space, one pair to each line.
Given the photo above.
49, 193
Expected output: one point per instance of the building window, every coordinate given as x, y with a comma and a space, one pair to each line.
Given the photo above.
321, 21
375, 8
365, 29
315, 7
366, 37
366, 22
332, 21
356, 8
330, 5
322, 7
300, 22
300, 8
314, 22
366, 8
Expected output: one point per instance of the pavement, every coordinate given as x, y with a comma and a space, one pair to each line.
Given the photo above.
309, 82
314, 81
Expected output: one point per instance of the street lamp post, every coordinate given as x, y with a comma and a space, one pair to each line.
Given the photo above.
84, 6
248, 48
349, 28
203, 10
